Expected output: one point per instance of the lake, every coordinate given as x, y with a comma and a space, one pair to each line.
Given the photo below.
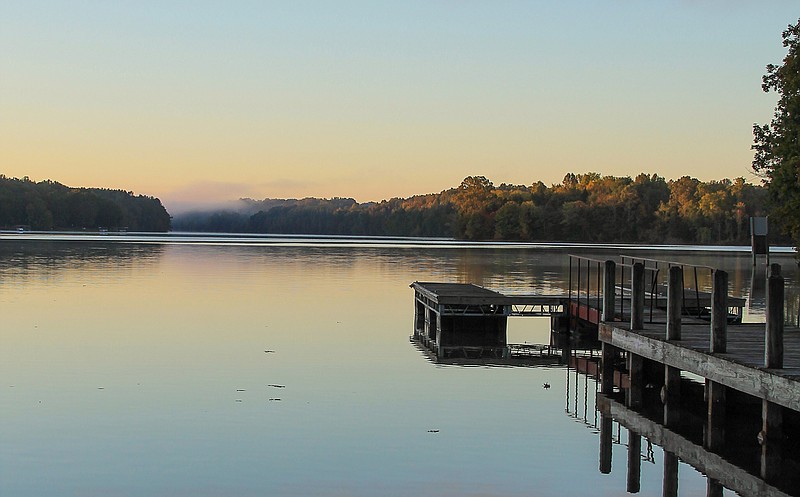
197, 365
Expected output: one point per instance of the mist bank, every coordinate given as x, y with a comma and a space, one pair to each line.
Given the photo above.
49, 205
583, 207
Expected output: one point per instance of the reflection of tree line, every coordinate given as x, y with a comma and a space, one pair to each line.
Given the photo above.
583, 207
23, 259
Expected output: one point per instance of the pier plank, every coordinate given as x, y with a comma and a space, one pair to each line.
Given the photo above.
469, 294
741, 367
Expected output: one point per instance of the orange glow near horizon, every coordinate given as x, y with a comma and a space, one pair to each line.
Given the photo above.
384, 102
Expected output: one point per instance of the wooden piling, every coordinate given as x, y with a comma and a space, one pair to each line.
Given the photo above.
565, 352
606, 426
670, 395
634, 462
608, 353
719, 312
714, 488
773, 339
715, 422
772, 414
609, 289
674, 302
437, 318
416, 315
670, 485
637, 297
635, 391
607, 369
771, 440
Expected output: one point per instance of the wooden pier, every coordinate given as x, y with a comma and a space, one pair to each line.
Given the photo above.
669, 345
759, 360
465, 320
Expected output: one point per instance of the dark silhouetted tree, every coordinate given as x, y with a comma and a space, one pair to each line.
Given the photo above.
777, 144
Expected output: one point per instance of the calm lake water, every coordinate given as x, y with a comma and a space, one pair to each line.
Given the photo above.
212, 366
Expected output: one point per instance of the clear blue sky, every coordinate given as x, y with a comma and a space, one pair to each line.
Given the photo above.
201, 100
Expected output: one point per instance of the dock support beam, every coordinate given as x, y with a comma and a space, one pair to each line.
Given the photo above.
419, 316
607, 368
609, 289
674, 302
606, 426
672, 376
714, 488
670, 395
634, 462
772, 414
770, 439
636, 379
719, 312
436, 324
635, 391
565, 351
670, 488
637, 297
773, 346
715, 423
609, 351
716, 393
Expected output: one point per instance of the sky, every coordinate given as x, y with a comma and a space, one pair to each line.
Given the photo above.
201, 102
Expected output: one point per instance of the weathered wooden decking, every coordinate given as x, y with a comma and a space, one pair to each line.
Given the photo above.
741, 367
650, 333
458, 293
468, 299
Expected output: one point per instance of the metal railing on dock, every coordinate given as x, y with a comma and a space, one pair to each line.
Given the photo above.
587, 289
692, 303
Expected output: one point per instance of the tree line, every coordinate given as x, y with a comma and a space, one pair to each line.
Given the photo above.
583, 207
49, 205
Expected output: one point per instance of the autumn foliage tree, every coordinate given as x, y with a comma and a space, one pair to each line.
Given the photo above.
583, 207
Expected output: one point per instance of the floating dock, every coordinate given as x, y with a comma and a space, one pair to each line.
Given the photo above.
761, 361
463, 320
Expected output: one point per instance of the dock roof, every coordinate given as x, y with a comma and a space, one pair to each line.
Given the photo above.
459, 293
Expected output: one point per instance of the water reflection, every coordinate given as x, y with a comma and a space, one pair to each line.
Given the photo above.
726, 456
150, 358
719, 471
738, 463
23, 259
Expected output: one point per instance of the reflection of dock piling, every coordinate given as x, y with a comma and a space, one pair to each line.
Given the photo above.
639, 429
760, 361
715, 467
657, 325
